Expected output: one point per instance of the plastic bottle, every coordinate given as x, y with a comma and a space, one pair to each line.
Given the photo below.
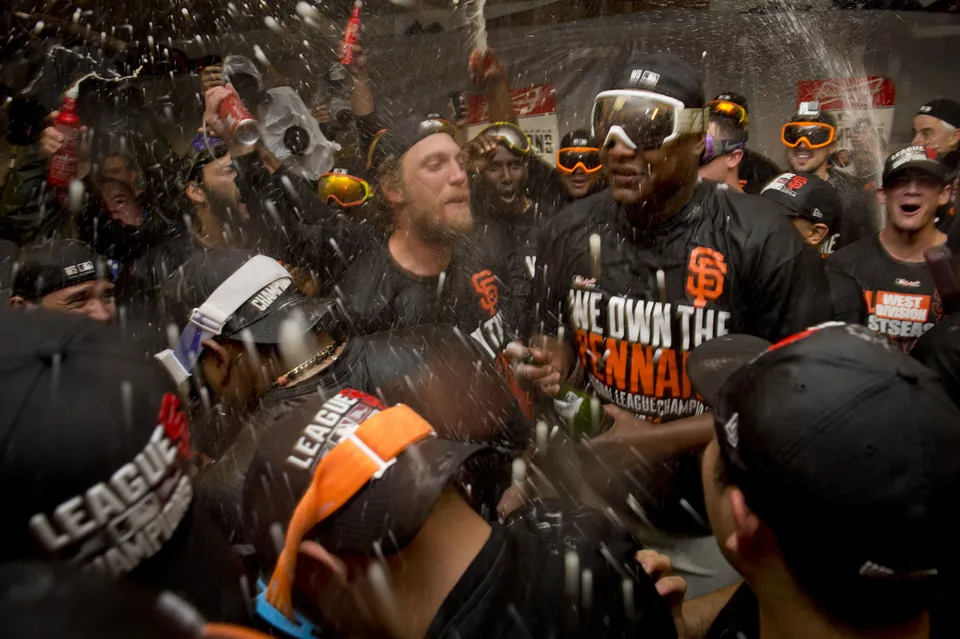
352, 33
63, 164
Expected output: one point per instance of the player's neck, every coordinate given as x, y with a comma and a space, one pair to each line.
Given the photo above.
908, 246
433, 563
823, 171
733, 181
661, 211
419, 255
787, 613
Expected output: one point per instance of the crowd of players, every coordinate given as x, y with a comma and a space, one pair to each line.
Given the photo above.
347, 406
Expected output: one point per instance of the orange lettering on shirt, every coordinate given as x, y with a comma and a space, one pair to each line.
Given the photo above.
617, 364
641, 369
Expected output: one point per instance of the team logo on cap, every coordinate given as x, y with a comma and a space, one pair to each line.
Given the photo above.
335, 421
644, 79
926, 108
809, 108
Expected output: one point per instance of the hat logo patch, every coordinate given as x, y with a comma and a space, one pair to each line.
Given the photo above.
926, 108
78, 269
732, 430
269, 294
817, 214
809, 108
644, 79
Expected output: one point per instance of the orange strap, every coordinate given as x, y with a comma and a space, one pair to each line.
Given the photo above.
230, 631
372, 448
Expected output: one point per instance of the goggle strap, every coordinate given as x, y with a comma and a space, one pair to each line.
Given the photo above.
342, 473
208, 320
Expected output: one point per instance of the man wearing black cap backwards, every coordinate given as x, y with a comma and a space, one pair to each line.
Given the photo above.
64, 275
937, 126
902, 301
635, 277
829, 484
380, 540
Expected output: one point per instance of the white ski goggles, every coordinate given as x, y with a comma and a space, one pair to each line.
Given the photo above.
644, 120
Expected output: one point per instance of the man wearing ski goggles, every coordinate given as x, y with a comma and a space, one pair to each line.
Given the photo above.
578, 164
723, 150
645, 138
810, 138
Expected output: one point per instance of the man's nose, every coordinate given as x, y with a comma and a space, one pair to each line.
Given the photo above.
98, 310
617, 150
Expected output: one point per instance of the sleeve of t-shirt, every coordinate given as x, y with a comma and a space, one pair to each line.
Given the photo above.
848, 302
788, 290
547, 292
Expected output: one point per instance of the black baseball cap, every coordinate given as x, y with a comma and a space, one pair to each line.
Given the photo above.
812, 112
578, 138
266, 309
942, 109
400, 136
939, 350
385, 514
96, 460
806, 196
710, 364
916, 157
664, 73
203, 150
51, 265
736, 98
837, 427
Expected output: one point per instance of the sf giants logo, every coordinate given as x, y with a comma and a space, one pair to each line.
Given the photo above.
705, 279
485, 284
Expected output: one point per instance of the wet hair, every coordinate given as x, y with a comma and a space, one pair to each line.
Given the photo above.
825, 573
729, 128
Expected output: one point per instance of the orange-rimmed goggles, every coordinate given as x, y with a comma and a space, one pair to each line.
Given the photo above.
359, 458
729, 109
816, 135
342, 189
579, 157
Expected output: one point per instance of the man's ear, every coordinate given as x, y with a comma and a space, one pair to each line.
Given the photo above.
746, 524
945, 195
393, 189
221, 358
818, 233
882, 196
329, 563
734, 158
195, 194
17, 302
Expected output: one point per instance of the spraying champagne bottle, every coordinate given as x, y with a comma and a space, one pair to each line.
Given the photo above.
63, 163
582, 412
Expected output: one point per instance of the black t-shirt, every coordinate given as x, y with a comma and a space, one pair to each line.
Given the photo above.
431, 368
729, 265
848, 302
522, 583
756, 171
858, 216
945, 216
901, 299
472, 294
740, 618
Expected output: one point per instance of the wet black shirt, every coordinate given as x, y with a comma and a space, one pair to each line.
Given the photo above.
730, 265
901, 299
433, 369
858, 216
472, 294
756, 171
520, 585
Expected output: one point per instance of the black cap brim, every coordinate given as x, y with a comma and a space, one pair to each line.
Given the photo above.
713, 362
388, 512
308, 312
